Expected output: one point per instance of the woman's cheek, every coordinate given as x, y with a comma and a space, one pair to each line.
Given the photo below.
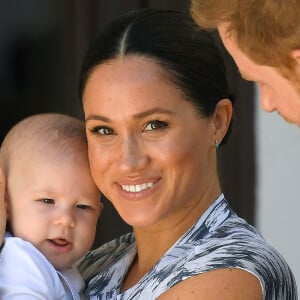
100, 159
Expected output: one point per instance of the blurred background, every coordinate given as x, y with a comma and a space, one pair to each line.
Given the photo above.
42, 43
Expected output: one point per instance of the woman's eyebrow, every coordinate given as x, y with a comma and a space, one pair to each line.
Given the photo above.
155, 110
97, 118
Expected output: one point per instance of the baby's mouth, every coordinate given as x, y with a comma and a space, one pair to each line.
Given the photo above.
59, 242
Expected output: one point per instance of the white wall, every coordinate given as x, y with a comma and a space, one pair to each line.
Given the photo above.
278, 185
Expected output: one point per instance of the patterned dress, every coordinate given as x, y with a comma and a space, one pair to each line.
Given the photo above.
219, 239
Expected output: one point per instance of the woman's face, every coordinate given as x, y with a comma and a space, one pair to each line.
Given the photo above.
150, 151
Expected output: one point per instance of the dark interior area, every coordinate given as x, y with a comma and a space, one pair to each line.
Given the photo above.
41, 46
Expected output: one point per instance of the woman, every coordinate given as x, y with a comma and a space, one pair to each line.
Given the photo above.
156, 105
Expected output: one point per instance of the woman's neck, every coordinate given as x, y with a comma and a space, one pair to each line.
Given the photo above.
153, 242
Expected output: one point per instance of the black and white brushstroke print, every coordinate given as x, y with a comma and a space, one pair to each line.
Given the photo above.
219, 239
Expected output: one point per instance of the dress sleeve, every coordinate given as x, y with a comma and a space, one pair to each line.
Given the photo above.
25, 273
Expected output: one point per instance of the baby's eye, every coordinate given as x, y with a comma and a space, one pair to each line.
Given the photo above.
103, 130
156, 125
48, 201
83, 206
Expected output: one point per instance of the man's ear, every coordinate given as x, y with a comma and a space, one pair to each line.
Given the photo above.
221, 119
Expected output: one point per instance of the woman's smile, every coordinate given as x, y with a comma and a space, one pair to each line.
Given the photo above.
138, 192
136, 188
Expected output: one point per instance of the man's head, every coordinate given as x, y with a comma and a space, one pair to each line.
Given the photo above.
264, 44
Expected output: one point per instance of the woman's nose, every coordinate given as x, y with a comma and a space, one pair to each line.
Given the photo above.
132, 157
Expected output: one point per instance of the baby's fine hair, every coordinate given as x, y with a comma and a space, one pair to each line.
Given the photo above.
43, 130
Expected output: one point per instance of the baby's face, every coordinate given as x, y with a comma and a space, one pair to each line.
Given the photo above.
54, 203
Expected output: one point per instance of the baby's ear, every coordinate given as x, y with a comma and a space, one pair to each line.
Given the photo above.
3, 206
101, 208
296, 55
4, 192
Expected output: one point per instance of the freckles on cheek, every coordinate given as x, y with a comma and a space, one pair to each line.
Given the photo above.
93, 160
189, 156
99, 164
183, 149
175, 157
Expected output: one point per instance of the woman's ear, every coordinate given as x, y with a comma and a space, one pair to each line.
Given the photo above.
221, 119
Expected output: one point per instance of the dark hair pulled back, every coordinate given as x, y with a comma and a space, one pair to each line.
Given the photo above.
173, 40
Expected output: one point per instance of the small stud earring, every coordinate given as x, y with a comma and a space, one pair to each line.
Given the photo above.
216, 144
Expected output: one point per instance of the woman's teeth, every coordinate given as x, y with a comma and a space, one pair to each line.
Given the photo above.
137, 187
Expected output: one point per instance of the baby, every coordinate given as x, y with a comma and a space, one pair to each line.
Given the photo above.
52, 208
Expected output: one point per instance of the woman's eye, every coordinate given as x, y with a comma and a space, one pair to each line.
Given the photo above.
156, 125
47, 201
103, 130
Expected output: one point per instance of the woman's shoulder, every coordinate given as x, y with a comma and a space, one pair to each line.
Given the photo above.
231, 247
233, 243
235, 262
